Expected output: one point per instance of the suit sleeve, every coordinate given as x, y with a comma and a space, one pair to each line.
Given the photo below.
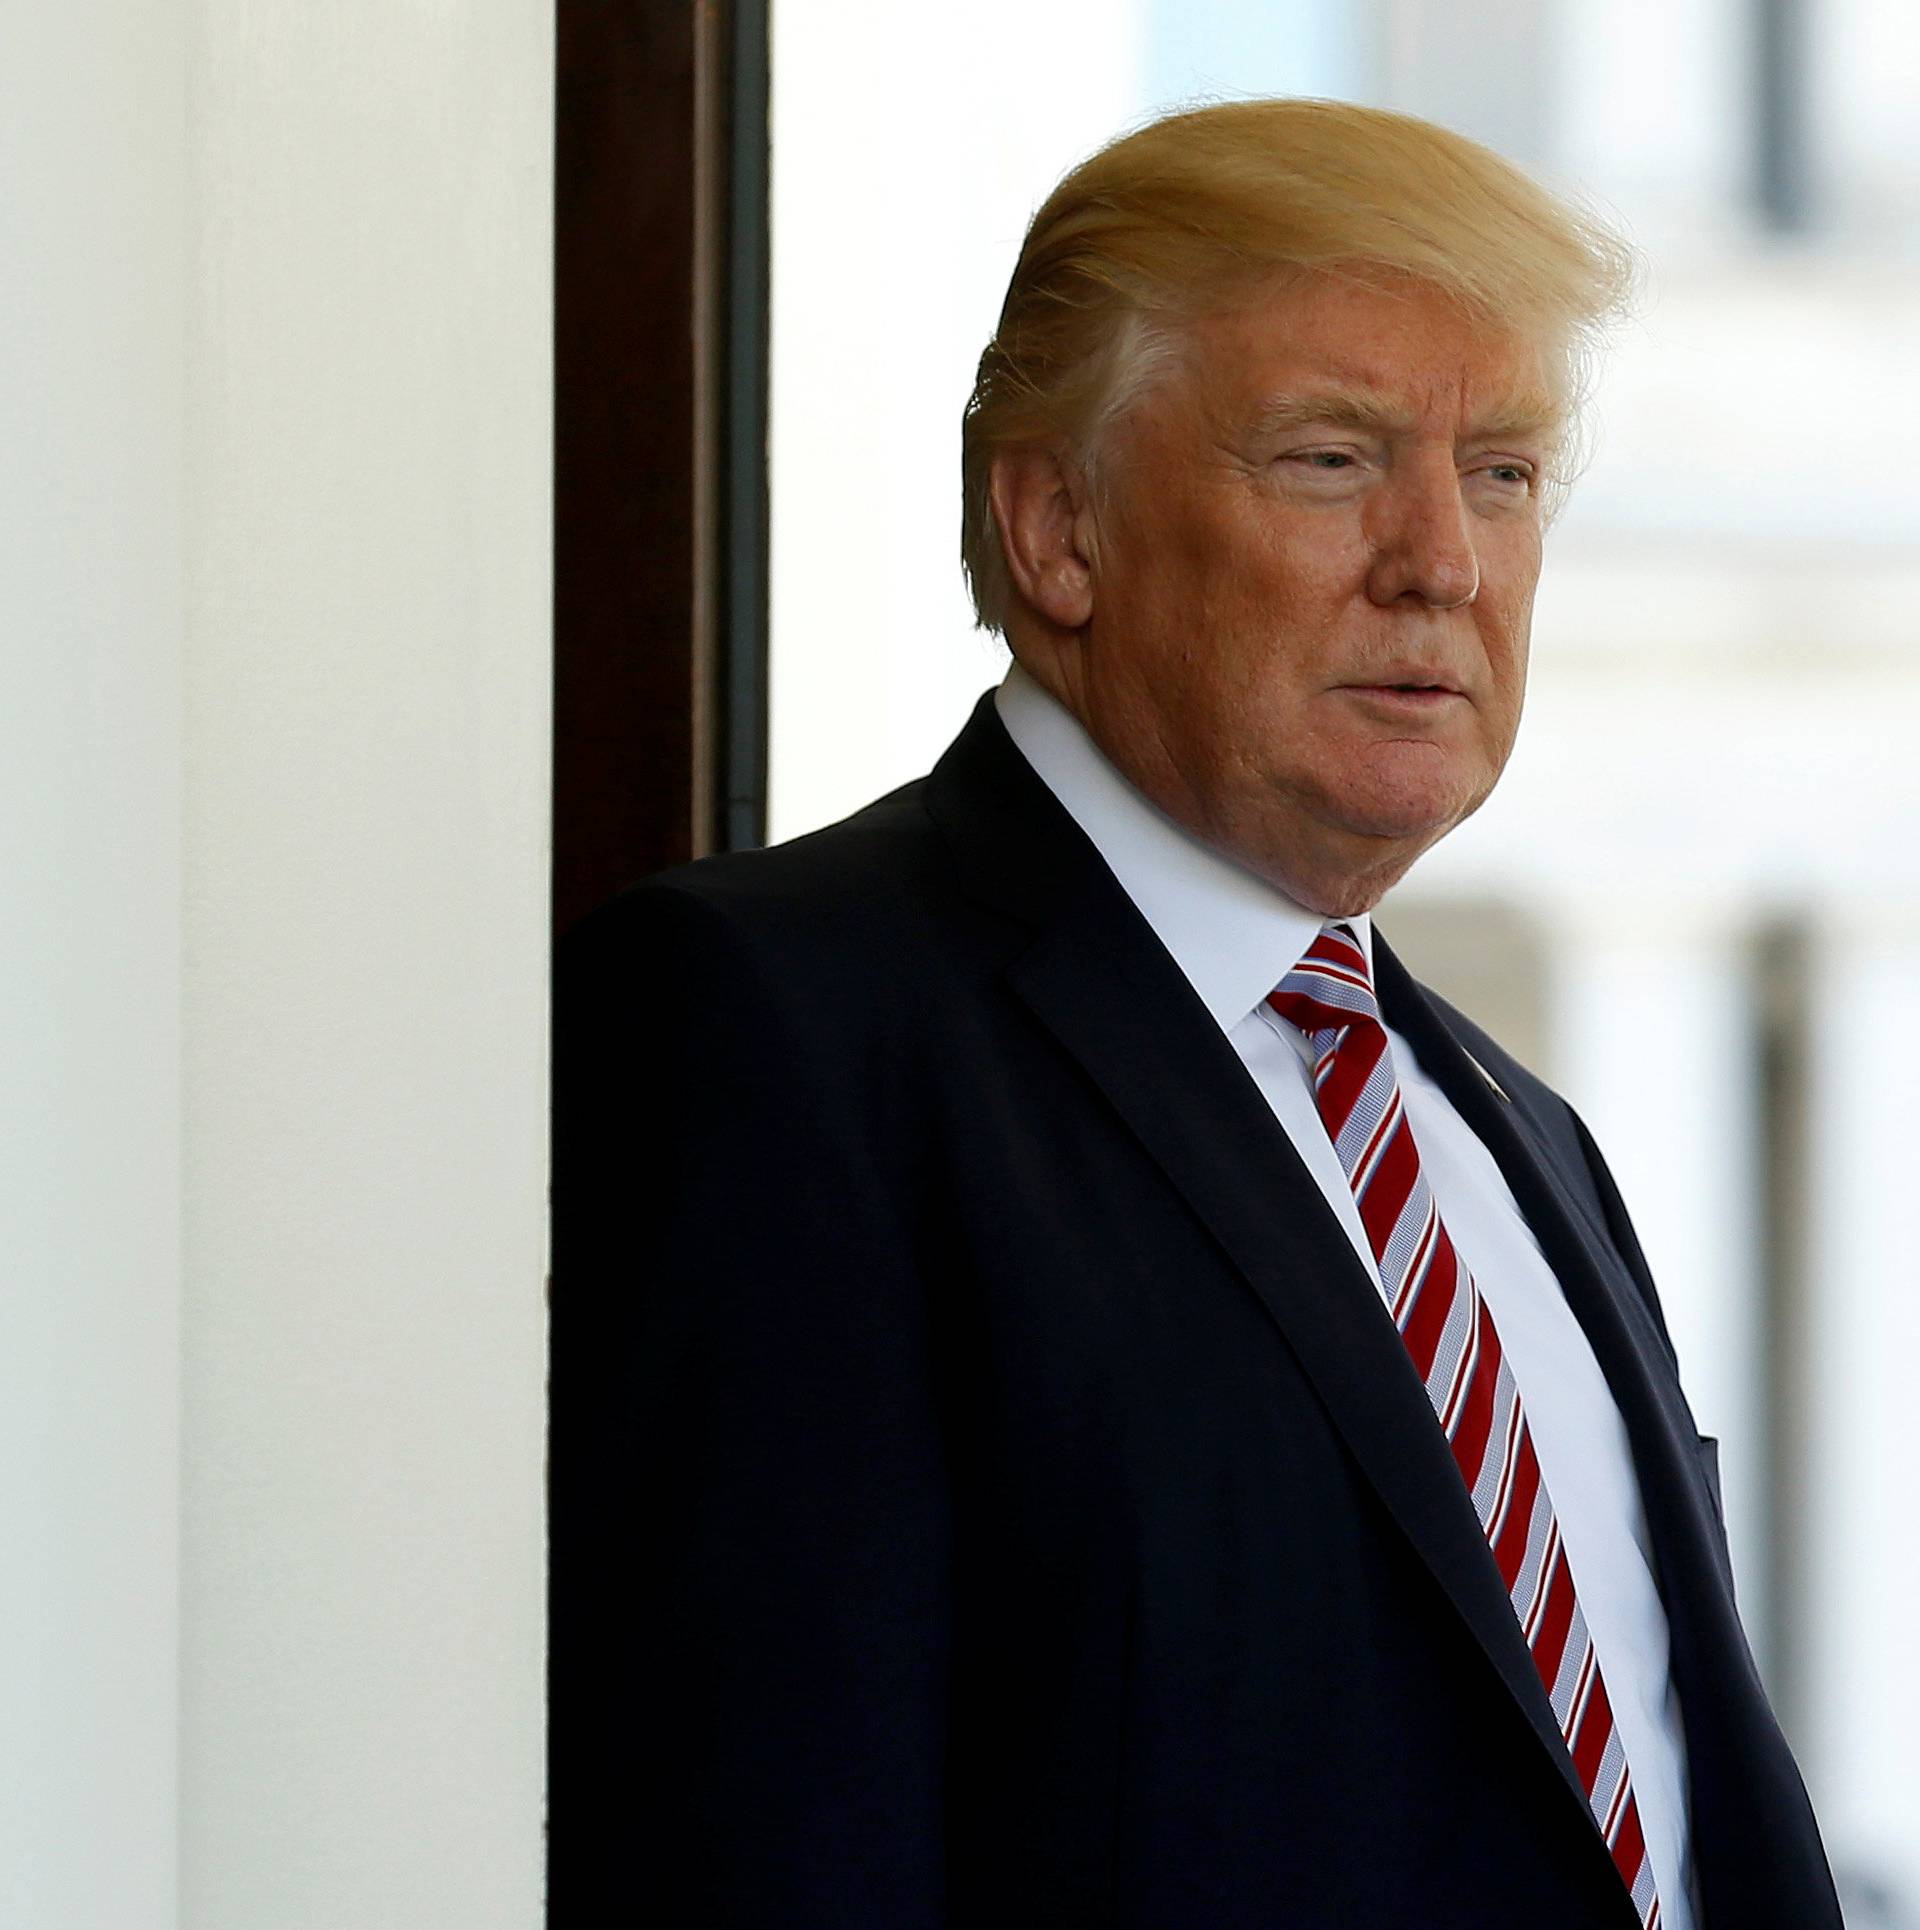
749, 1521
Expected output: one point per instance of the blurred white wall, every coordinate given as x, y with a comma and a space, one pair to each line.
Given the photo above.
368, 668
910, 149
92, 332
1864, 1699
274, 426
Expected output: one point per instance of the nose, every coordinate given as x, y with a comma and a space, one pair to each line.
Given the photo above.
1421, 539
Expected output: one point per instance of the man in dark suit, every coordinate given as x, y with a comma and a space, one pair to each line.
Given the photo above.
1082, 1394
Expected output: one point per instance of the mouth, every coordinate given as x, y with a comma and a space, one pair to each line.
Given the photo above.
1406, 706
1414, 690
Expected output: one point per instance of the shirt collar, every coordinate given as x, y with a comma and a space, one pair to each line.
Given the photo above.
1232, 934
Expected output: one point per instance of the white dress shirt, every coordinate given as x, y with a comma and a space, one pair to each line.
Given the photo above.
1235, 937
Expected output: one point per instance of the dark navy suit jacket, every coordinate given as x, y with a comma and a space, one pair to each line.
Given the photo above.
986, 1491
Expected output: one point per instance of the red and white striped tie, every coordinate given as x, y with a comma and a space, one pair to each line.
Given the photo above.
1450, 1336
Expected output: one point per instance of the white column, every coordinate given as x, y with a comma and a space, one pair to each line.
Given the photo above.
1865, 1548
1648, 107
366, 934
1654, 1029
92, 189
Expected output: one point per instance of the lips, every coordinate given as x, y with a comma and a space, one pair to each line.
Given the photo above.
1413, 701
1411, 680
1411, 684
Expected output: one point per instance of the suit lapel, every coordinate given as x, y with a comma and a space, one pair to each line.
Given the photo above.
1099, 980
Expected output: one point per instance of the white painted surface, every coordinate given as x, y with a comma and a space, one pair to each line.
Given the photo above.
1864, 1565
897, 213
92, 181
274, 515
1862, 69
1653, 1021
1646, 101
366, 923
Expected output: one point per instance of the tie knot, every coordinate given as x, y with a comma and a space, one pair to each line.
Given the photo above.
1330, 988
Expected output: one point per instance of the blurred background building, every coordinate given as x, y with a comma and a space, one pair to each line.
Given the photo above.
1694, 903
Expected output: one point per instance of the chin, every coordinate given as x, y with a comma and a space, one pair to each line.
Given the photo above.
1409, 831
1414, 815
1338, 877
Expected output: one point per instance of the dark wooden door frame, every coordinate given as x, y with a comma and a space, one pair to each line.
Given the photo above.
660, 483
660, 387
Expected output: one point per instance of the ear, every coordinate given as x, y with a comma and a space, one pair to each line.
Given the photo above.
1039, 504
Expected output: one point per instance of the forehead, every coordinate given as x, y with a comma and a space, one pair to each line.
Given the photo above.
1401, 355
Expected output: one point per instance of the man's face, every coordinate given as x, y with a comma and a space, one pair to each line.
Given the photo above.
1312, 567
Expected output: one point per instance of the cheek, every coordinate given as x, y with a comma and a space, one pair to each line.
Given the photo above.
1511, 577
1506, 621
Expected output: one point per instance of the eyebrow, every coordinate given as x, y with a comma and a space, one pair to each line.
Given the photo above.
1530, 413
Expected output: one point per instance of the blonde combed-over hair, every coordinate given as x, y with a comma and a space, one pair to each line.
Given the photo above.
1197, 210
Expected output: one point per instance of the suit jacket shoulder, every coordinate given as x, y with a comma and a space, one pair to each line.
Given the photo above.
861, 927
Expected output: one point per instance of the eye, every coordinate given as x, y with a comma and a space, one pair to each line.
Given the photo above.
1322, 462
1510, 475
